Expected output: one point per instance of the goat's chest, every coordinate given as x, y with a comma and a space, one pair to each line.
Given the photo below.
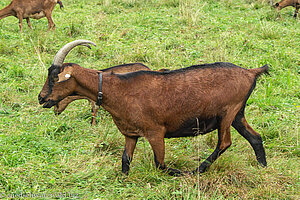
128, 129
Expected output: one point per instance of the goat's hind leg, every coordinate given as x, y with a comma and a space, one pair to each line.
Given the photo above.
51, 24
254, 138
224, 141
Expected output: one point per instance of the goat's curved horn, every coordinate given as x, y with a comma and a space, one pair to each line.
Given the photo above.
63, 52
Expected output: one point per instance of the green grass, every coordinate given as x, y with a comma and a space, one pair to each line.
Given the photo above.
41, 153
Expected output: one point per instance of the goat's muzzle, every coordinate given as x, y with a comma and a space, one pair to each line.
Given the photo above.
41, 99
47, 103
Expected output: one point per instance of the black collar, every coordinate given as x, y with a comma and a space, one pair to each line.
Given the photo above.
99, 98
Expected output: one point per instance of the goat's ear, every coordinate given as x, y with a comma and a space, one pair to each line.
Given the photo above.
65, 75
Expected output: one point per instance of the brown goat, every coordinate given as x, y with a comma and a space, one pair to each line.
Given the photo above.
26, 9
157, 105
285, 3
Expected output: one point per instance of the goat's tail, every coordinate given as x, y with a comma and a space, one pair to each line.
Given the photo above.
259, 71
60, 4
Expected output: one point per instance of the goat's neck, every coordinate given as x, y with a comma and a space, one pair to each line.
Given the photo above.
5, 12
88, 82
88, 86
113, 94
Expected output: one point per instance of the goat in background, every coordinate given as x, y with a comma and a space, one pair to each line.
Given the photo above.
286, 3
26, 9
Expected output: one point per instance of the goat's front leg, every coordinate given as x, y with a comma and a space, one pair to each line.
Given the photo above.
224, 141
158, 146
20, 17
130, 143
28, 22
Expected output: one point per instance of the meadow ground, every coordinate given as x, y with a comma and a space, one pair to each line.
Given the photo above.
41, 153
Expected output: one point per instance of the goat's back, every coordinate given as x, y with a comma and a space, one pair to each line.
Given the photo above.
204, 90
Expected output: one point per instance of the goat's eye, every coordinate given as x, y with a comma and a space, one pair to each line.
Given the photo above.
54, 77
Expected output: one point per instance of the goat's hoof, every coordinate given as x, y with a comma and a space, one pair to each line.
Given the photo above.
262, 164
187, 173
174, 172
125, 173
199, 170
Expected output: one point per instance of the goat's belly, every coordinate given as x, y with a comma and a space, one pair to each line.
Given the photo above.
37, 15
194, 127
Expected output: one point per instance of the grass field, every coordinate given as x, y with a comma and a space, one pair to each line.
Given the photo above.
44, 154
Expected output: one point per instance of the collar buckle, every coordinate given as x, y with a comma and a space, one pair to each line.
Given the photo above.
100, 94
